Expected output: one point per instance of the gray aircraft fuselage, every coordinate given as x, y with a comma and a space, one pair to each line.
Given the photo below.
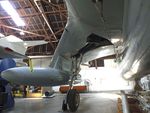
124, 19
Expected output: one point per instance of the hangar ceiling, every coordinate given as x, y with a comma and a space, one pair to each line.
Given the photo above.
44, 20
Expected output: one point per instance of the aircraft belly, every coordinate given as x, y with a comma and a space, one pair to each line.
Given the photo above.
39, 76
136, 61
144, 67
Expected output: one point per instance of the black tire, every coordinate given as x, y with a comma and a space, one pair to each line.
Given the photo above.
73, 100
64, 106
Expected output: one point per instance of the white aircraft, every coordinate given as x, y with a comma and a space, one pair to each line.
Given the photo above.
91, 26
13, 47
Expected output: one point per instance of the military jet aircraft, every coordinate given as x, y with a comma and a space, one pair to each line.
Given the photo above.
91, 26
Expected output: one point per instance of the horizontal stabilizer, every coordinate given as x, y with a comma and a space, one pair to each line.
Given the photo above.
8, 53
18, 45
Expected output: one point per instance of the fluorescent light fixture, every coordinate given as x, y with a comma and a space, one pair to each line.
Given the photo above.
12, 12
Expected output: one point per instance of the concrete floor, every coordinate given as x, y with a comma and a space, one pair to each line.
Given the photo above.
90, 103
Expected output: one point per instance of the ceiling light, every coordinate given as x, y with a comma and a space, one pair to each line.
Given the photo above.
12, 12
21, 33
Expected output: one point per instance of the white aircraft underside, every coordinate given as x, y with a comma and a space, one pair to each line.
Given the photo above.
107, 19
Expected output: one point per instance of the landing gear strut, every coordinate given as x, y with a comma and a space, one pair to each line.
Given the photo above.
72, 99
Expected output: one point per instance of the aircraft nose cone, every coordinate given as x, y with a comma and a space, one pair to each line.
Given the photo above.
9, 75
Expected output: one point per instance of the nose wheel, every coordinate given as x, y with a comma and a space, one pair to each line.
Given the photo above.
72, 101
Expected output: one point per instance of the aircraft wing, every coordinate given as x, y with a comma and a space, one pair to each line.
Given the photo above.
83, 23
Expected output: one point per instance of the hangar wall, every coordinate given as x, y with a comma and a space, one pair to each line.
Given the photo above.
43, 61
105, 78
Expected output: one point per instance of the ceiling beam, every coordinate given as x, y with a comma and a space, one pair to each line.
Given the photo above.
36, 37
57, 32
35, 14
45, 18
25, 31
54, 6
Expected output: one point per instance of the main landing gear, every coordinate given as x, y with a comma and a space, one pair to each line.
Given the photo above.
72, 101
72, 98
